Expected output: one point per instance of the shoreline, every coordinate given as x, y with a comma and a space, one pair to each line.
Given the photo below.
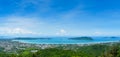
9, 45
89, 43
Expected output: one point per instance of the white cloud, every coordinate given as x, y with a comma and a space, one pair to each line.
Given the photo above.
22, 22
16, 31
103, 33
62, 32
20, 31
97, 32
16, 25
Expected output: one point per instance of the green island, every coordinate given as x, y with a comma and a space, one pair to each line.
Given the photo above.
26, 38
81, 38
10, 48
112, 37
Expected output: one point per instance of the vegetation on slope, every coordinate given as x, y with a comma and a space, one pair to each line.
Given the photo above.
95, 50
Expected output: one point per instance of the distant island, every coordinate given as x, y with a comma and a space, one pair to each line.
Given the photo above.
112, 37
26, 38
81, 38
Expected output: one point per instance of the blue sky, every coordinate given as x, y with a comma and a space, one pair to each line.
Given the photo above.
60, 17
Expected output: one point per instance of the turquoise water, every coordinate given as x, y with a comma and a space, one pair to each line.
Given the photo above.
64, 40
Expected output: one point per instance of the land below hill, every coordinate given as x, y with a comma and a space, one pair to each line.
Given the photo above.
10, 48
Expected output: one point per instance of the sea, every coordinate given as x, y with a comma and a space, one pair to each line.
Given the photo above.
66, 40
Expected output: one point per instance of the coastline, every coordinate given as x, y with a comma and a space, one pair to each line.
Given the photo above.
10, 46
85, 43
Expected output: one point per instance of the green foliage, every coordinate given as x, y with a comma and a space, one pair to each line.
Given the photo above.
96, 50
114, 51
